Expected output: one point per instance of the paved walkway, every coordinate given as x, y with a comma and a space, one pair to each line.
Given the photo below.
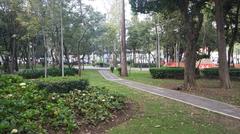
197, 101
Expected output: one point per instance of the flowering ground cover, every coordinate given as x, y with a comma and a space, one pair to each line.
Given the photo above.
25, 108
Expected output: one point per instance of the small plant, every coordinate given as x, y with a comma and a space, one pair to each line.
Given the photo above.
112, 69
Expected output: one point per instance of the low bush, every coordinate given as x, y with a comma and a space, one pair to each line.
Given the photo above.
26, 109
144, 65
213, 73
63, 86
38, 73
95, 104
167, 72
8, 80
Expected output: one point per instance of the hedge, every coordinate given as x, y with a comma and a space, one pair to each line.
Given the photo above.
167, 72
213, 73
64, 86
143, 65
33, 74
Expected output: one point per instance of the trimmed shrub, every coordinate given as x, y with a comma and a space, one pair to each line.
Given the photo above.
213, 73
64, 86
167, 72
8, 80
143, 65
34, 74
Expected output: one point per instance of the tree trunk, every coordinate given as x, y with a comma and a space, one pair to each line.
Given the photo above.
234, 36
149, 59
192, 28
123, 43
223, 67
79, 60
134, 55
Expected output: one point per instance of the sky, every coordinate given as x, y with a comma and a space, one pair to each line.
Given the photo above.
103, 6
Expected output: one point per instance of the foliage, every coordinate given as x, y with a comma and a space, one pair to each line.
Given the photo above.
9, 80
144, 65
29, 110
26, 109
63, 86
38, 73
167, 72
95, 104
214, 73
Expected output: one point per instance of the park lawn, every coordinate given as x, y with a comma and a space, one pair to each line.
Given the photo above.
158, 115
206, 87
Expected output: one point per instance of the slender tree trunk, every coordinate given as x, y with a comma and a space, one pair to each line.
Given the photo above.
223, 67
124, 71
79, 60
234, 36
134, 55
149, 59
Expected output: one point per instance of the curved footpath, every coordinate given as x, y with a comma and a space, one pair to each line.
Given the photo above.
197, 101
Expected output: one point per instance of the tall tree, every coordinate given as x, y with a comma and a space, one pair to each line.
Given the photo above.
192, 17
223, 67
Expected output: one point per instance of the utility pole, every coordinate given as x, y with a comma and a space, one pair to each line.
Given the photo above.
62, 56
123, 42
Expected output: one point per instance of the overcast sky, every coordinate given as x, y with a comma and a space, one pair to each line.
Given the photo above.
104, 6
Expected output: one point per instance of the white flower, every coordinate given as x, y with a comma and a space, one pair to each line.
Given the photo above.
23, 87
103, 100
9, 95
53, 98
83, 94
79, 91
22, 84
111, 97
14, 131
76, 90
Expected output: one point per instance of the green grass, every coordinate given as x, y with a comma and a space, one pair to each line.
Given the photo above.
158, 115
206, 87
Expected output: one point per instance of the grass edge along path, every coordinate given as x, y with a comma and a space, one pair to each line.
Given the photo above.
163, 116
208, 88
